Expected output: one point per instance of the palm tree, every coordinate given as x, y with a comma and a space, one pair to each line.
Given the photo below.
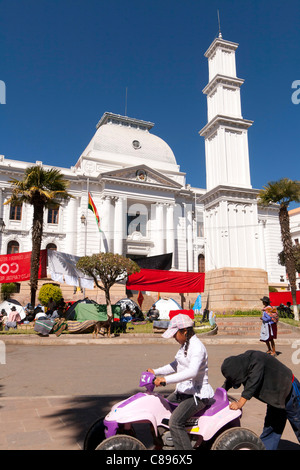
40, 188
283, 192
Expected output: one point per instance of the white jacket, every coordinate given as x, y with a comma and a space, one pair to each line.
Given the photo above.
189, 372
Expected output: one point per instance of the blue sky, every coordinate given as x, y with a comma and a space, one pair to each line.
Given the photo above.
66, 62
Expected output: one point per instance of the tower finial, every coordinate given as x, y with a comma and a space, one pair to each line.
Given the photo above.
220, 34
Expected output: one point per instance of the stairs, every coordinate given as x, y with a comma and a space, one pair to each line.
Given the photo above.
249, 327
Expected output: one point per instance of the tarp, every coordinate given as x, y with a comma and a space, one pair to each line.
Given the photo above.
8, 304
62, 268
16, 267
166, 281
198, 304
277, 298
90, 310
164, 306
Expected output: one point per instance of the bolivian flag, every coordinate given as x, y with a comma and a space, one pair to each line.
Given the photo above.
93, 208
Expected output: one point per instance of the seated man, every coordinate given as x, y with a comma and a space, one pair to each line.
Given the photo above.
153, 314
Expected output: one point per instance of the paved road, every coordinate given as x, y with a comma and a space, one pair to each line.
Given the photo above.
51, 395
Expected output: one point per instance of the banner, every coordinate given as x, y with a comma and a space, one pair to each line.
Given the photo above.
163, 262
155, 280
16, 267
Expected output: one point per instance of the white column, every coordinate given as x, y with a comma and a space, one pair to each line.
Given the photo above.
119, 226
170, 244
189, 235
160, 236
72, 226
107, 224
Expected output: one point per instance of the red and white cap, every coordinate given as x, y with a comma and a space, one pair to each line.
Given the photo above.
178, 322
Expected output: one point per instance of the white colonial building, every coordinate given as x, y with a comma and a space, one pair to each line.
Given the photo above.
147, 207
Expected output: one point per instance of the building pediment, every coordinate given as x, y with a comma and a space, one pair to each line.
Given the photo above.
141, 174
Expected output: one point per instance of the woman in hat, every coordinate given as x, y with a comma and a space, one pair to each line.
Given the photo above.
269, 319
189, 371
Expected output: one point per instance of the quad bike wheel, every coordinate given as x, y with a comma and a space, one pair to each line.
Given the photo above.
238, 439
121, 442
95, 435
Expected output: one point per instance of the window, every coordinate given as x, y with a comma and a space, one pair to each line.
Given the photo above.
53, 214
15, 212
201, 264
51, 246
13, 247
200, 225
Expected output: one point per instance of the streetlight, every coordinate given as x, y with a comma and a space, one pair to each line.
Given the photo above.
2, 225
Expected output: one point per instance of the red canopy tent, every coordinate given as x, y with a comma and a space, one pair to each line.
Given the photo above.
166, 281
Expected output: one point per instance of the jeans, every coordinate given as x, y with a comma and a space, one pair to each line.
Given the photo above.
188, 406
275, 419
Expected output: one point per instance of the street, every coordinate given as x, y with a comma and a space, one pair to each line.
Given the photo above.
51, 395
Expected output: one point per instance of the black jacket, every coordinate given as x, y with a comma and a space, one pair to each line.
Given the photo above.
263, 377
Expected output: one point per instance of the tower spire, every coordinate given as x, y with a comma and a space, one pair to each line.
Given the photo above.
220, 34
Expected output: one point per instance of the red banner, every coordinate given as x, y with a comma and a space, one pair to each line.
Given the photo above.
155, 280
16, 268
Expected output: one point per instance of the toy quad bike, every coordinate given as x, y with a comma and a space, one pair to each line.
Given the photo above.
215, 427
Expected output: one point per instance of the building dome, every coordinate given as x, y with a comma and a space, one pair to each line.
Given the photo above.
124, 137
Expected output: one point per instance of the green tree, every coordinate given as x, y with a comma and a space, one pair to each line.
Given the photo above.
283, 192
107, 268
296, 251
40, 188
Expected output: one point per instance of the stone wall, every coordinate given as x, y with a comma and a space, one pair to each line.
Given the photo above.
230, 289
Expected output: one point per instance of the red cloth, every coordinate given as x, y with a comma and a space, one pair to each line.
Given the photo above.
277, 298
190, 313
155, 280
16, 267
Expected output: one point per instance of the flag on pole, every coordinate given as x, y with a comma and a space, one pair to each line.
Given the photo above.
93, 208
140, 299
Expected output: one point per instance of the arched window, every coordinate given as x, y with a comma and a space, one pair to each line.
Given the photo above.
13, 247
201, 264
51, 246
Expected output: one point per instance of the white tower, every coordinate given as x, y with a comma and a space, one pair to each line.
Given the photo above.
233, 251
226, 138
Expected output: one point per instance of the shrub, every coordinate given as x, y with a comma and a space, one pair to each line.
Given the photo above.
7, 290
47, 291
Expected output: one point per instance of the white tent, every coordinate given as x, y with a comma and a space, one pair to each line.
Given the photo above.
164, 306
7, 305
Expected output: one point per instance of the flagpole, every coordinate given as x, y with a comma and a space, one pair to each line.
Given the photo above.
86, 220
86, 215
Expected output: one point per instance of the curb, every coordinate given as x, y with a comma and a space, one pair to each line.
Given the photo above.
135, 339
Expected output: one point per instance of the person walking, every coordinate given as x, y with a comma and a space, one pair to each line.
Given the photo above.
269, 325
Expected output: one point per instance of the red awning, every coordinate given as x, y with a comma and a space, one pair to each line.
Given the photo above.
155, 280
277, 298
